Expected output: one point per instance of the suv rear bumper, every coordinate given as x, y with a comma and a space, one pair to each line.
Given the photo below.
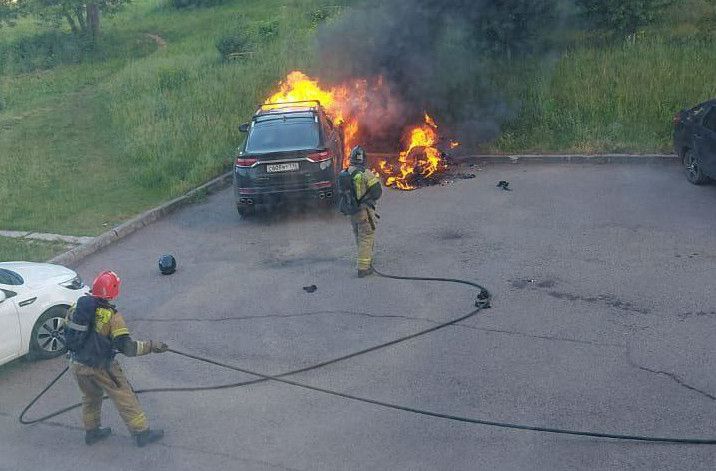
253, 196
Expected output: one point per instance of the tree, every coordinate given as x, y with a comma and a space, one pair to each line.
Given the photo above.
9, 12
82, 17
622, 17
515, 26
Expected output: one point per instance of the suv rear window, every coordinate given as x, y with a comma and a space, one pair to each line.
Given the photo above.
283, 136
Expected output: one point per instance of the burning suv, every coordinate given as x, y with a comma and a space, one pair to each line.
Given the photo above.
292, 151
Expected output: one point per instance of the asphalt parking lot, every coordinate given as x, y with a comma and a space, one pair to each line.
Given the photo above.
604, 319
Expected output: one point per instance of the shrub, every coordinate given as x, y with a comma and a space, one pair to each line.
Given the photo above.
181, 4
235, 45
623, 18
42, 51
171, 78
319, 16
267, 30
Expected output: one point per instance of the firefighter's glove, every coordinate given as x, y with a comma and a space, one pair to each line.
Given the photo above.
159, 347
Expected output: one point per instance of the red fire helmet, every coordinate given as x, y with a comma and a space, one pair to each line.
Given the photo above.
106, 285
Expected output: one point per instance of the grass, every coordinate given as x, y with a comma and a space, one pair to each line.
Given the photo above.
615, 99
89, 138
29, 250
86, 145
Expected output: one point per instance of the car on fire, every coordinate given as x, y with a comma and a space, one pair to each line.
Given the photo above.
695, 141
34, 298
292, 151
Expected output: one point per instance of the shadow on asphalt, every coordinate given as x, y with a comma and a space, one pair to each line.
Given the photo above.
294, 212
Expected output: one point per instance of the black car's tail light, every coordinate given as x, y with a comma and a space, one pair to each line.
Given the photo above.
320, 156
677, 119
241, 162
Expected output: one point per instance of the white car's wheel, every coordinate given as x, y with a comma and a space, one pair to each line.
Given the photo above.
48, 339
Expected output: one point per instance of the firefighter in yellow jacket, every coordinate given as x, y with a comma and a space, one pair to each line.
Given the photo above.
358, 199
94, 332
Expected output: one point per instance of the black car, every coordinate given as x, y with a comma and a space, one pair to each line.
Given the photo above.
695, 141
292, 152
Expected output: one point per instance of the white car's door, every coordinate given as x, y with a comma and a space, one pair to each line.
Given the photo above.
9, 329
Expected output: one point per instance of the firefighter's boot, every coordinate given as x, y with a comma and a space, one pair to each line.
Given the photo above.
364, 273
148, 436
97, 434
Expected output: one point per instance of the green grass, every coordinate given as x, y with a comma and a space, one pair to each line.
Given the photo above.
89, 138
86, 145
29, 250
615, 99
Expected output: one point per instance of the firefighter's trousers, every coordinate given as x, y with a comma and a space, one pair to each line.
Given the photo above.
364, 229
95, 382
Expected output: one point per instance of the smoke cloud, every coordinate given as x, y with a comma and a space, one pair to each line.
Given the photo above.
437, 56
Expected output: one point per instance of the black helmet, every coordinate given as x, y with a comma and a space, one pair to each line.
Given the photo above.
357, 156
167, 264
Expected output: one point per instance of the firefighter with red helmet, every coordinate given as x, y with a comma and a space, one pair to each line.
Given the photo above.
95, 331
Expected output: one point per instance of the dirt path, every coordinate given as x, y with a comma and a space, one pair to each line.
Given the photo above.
161, 42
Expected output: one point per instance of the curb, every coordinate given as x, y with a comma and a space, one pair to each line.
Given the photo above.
569, 158
138, 222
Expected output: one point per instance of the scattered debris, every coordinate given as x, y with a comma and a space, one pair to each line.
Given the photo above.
310, 289
504, 185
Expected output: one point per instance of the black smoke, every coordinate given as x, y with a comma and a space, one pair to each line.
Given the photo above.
439, 56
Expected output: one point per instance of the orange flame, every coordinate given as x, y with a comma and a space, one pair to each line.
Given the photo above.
421, 158
343, 105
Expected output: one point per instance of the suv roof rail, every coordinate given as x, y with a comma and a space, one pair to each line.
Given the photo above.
280, 115
288, 103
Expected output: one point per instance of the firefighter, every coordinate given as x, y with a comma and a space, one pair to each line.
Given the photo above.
366, 190
94, 367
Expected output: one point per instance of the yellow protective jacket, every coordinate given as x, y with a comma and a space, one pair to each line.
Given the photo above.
366, 185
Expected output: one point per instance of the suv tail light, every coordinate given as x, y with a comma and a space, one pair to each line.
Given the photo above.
320, 156
677, 119
241, 162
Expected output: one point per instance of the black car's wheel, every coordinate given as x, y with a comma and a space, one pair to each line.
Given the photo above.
245, 211
48, 339
692, 168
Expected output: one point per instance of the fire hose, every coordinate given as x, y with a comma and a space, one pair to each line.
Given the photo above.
482, 302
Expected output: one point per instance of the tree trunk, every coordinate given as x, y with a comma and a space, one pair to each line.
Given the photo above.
93, 20
79, 14
72, 23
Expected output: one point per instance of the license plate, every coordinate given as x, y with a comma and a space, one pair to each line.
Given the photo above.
288, 167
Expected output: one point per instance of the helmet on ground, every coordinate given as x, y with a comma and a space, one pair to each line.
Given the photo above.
106, 285
167, 264
357, 156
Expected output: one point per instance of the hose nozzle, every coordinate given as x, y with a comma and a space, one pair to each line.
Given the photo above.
483, 299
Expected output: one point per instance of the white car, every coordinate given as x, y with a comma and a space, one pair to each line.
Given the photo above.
34, 298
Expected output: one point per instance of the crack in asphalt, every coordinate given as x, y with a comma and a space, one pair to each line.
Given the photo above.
673, 376
677, 379
382, 316
544, 337
279, 316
